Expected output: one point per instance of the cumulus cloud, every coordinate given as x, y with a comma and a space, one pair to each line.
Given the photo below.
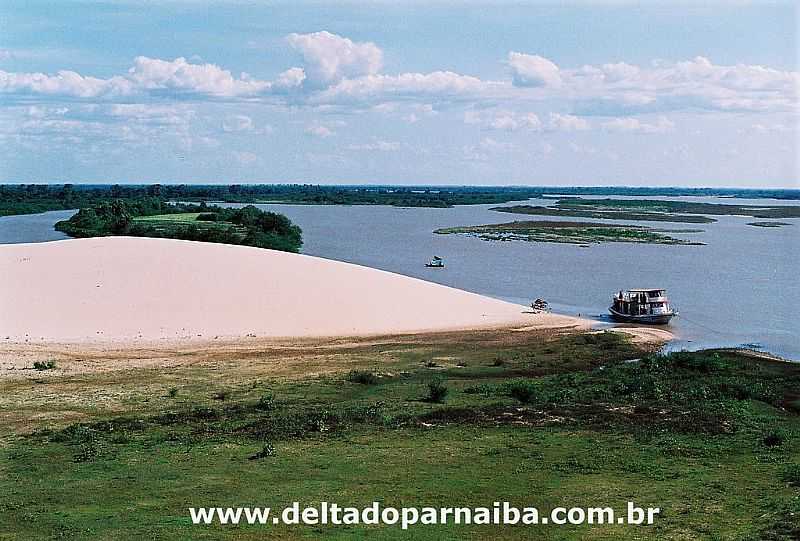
330, 58
504, 120
290, 79
147, 76
661, 125
244, 157
181, 76
377, 145
338, 71
438, 84
533, 70
318, 130
559, 122
237, 123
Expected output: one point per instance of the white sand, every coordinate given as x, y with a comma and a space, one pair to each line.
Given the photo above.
122, 288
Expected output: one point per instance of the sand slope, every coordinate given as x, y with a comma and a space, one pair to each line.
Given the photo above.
122, 288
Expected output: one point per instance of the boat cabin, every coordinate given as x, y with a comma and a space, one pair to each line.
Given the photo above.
436, 262
642, 302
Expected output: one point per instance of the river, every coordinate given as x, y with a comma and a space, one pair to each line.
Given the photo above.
739, 289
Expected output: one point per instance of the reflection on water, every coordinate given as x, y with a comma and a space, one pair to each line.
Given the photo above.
737, 289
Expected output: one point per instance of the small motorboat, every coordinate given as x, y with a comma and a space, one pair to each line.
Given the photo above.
540, 305
436, 262
649, 306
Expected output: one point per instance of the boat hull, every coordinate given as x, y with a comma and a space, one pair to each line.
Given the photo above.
647, 319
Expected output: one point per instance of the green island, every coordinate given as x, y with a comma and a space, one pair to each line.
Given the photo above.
712, 438
569, 232
680, 207
152, 217
35, 198
768, 224
612, 214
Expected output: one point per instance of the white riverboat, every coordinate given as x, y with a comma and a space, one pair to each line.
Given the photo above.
649, 306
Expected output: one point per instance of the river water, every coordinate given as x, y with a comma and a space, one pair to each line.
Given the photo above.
741, 288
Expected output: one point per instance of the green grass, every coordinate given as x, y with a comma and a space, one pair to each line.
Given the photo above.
183, 218
684, 432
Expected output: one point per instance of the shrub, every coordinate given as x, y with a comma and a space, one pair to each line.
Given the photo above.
774, 438
267, 451
498, 362
266, 402
363, 377
173, 392
44, 365
221, 395
87, 452
437, 390
792, 475
522, 391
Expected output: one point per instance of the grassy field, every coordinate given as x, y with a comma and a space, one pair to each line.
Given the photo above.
183, 218
568, 232
115, 446
165, 223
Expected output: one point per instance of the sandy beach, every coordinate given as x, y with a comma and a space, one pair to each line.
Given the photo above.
123, 289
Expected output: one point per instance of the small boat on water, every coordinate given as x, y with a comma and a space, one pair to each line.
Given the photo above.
436, 262
649, 306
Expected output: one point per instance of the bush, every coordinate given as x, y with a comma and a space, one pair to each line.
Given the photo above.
792, 475
266, 402
363, 377
437, 390
221, 395
44, 365
173, 392
774, 438
498, 362
522, 391
267, 451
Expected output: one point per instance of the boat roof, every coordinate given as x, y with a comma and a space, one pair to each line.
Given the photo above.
647, 289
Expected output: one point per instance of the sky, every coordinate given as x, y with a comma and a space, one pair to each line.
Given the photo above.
651, 93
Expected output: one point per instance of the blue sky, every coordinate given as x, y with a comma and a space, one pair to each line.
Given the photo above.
590, 93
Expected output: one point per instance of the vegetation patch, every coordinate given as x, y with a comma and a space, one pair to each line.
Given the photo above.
680, 207
44, 365
151, 217
613, 214
569, 232
769, 224
565, 418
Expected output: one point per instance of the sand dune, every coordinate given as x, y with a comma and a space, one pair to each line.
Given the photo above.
122, 288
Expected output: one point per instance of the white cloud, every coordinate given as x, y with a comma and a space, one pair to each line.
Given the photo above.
330, 58
237, 123
533, 70
439, 84
318, 130
503, 120
628, 124
559, 122
181, 76
775, 128
339, 72
377, 145
244, 158
290, 79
